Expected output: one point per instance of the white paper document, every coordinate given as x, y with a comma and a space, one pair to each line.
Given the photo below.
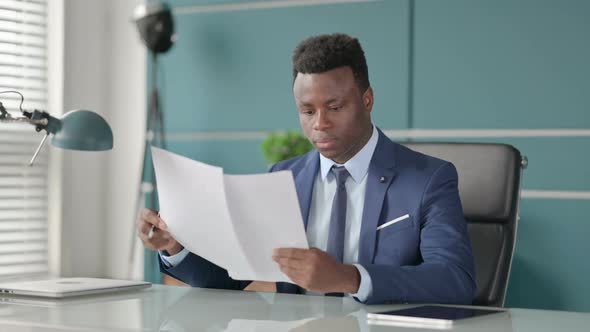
233, 221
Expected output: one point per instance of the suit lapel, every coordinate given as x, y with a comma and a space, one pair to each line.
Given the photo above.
304, 181
379, 178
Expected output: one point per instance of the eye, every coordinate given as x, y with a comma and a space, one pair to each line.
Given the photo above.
335, 108
307, 112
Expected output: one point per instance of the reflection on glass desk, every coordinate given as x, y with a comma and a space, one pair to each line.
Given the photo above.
170, 308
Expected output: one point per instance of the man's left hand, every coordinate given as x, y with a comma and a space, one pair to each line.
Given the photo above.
317, 271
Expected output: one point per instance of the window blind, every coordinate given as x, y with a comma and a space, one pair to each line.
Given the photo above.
23, 189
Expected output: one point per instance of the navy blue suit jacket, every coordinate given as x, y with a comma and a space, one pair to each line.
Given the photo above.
425, 258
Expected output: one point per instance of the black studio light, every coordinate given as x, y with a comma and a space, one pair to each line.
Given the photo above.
155, 25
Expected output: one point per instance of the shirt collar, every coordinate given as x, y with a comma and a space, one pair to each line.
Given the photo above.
358, 165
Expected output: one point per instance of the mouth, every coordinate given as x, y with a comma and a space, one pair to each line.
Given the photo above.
325, 143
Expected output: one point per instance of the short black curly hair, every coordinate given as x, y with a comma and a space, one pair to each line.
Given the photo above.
318, 54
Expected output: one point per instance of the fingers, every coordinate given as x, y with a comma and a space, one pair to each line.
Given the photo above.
160, 240
144, 227
312, 269
293, 253
290, 256
152, 217
303, 278
295, 259
295, 275
294, 264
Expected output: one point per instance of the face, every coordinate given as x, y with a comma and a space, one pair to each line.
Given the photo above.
334, 114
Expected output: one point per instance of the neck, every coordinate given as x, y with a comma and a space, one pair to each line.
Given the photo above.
356, 147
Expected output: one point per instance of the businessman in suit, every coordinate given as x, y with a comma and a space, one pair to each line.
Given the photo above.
384, 223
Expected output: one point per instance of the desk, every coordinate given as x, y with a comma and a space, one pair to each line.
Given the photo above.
170, 308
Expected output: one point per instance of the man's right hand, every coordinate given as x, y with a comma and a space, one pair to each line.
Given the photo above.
161, 239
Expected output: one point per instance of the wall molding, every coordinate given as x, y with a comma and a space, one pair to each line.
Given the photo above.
393, 133
231, 7
554, 194
216, 135
483, 133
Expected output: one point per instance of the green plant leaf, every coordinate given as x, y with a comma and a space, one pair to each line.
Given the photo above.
281, 146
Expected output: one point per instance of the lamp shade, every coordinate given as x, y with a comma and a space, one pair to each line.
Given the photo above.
83, 130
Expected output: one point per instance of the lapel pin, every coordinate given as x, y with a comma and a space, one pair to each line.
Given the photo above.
382, 179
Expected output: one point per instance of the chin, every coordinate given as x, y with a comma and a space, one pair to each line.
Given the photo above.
328, 154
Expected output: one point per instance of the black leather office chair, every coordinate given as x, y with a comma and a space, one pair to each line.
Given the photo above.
489, 186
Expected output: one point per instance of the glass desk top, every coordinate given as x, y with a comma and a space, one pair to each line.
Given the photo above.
171, 308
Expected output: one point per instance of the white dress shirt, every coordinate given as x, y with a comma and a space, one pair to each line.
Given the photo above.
318, 224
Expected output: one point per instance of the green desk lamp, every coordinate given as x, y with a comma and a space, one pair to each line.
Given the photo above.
75, 130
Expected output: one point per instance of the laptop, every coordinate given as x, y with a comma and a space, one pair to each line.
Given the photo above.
69, 287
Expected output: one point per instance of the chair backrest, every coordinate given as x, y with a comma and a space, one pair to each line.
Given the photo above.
489, 187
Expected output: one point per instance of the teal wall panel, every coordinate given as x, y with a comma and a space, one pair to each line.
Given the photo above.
235, 156
232, 70
555, 163
502, 64
189, 3
550, 268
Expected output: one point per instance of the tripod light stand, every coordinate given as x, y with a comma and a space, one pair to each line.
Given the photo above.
156, 28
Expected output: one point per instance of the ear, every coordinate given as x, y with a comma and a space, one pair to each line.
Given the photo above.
368, 99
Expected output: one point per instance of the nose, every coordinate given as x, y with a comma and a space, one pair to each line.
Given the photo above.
321, 121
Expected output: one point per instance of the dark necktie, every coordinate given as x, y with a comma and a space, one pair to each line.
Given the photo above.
338, 216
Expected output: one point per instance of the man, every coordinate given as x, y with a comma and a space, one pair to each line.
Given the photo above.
384, 223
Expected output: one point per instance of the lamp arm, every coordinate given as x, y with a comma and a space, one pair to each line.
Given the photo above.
39, 122
40, 119
43, 121
38, 149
